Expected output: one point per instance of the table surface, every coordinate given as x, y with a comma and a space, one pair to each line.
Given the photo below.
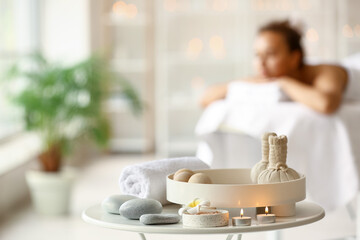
306, 212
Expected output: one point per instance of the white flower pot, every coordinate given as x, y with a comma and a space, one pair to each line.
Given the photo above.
51, 192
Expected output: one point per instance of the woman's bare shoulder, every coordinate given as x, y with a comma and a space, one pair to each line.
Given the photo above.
322, 69
328, 74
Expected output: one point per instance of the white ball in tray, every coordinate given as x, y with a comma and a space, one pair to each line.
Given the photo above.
183, 170
183, 176
200, 178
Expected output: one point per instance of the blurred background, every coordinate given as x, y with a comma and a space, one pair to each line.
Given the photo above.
168, 52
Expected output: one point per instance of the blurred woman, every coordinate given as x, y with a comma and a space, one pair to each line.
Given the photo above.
279, 57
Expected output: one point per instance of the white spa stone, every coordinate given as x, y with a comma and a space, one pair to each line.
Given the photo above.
151, 219
206, 220
183, 176
183, 170
200, 178
112, 203
134, 208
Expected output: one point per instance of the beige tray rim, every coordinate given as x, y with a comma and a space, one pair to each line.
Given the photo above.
238, 195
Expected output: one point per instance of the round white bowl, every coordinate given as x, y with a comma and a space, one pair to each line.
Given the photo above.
232, 188
206, 220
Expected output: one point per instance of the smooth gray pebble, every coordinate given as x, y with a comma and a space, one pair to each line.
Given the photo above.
134, 208
150, 219
112, 203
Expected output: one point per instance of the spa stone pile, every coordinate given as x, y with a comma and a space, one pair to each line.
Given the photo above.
131, 207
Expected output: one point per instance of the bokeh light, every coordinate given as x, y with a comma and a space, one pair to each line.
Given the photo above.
216, 44
220, 5
312, 35
357, 30
258, 5
347, 31
197, 82
170, 5
195, 46
131, 11
304, 4
119, 8
286, 5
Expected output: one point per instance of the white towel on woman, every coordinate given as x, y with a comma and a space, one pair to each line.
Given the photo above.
148, 180
240, 93
269, 92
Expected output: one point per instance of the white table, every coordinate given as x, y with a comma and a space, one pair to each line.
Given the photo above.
306, 212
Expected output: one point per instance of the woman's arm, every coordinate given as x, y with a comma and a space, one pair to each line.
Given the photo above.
324, 95
219, 91
213, 93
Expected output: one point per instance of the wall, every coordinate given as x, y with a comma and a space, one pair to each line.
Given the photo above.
65, 29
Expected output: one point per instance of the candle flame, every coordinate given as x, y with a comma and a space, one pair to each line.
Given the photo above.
241, 212
266, 210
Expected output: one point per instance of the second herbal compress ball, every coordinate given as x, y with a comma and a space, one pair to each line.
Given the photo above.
277, 170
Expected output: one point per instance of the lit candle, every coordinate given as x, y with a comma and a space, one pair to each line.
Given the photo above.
266, 218
242, 220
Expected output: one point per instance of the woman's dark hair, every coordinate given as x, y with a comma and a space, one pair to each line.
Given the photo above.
291, 35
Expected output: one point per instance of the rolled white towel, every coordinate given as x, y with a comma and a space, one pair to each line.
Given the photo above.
148, 180
248, 92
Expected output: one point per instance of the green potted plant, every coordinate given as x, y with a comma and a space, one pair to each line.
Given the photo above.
62, 104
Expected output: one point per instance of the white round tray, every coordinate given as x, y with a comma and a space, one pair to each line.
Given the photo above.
232, 188
307, 212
